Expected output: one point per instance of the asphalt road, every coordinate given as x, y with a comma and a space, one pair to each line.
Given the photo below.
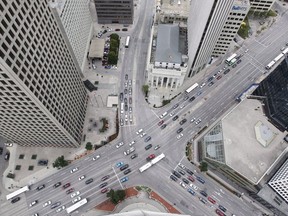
208, 106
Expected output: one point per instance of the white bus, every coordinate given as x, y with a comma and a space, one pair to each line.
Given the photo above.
17, 192
127, 42
285, 51
228, 60
270, 65
145, 167
158, 158
278, 57
76, 206
192, 88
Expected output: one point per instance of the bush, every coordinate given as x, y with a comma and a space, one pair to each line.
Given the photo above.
60, 162
203, 166
89, 146
116, 196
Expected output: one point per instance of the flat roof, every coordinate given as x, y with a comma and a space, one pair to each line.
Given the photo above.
172, 7
96, 48
112, 100
167, 48
243, 152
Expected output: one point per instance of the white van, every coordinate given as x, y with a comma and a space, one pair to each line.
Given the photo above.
163, 115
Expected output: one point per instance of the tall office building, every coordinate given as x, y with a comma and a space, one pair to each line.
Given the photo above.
279, 182
114, 11
212, 25
261, 5
42, 98
75, 18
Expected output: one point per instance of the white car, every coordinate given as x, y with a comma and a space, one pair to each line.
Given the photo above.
172, 113
81, 177
183, 185
47, 203
60, 209
182, 106
9, 144
119, 144
139, 131
194, 187
76, 199
132, 143
180, 136
193, 119
33, 203
75, 194
96, 157
129, 151
182, 166
74, 170
202, 85
143, 134
198, 121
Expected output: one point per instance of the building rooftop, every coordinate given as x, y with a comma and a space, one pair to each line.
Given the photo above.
175, 7
251, 143
167, 49
96, 48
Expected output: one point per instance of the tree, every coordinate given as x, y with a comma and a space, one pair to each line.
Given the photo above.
116, 196
145, 89
114, 36
88, 146
203, 166
60, 162
112, 58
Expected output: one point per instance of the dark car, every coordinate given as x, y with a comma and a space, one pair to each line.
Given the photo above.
179, 130
219, 77
42, 162
103, 185
134, 156
88, 181
104, 190
185, 180
234, 65
40, 187
121, 96
226, 71
204, 193
239, 61
125, 91
124, 29
105, 178
175, 118
66, 185
210, 79
200, 179
1, 151
130, 100
127, 171
181, 172
147, 139
163, 126
126, 107
174, 178
117, 29
191, 178
222, 208
124, 167
126, 76
189, 171
57, 184
192, 99
125, 100
182, 121
16, 199
70, 191
7, 156
211, 83
186, 98
148, 146
176, 174
55, 205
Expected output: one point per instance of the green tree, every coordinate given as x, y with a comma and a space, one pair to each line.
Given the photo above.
116, 196
114, 36
112, 58
60, 162
145, 89
88, 146
114, 45
203, 166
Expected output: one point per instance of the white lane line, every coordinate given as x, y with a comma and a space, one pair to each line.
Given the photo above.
117, 178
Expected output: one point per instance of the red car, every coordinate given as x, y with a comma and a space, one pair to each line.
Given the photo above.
105, 178
191, 178
104, 190
211, 200
150, 157
219, 77
66, 185
219, 212
160, 123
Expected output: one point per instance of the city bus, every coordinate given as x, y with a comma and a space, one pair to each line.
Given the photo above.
76, 205
228, 60
270, 65
194, 86
145, 167
158, 158
127, 42
17, 192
